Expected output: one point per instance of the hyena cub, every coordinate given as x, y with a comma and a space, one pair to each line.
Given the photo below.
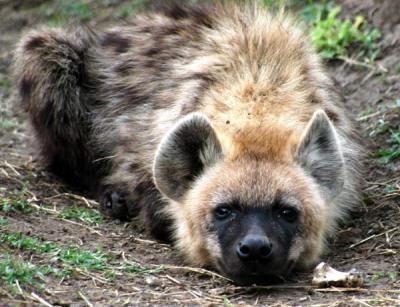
217, 124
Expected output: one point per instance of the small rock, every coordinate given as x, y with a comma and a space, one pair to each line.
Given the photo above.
152, 280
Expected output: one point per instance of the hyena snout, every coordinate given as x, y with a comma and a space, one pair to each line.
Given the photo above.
254, 247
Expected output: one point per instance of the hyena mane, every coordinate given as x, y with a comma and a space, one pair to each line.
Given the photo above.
217, 124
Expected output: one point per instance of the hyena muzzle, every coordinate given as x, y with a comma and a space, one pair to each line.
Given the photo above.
217, 124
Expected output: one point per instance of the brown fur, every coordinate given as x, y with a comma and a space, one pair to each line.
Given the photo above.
101, 104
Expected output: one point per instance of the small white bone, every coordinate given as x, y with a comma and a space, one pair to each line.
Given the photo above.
325, 276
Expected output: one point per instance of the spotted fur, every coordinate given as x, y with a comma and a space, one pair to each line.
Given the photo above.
179, 111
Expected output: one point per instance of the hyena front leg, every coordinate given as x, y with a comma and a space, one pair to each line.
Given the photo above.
128, 192
121, 191
113, 203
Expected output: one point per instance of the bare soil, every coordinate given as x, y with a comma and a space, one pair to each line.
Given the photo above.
369, 240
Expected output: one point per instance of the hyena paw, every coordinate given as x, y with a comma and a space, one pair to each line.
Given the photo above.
114, 204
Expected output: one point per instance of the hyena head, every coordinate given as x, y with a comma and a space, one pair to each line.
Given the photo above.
252, 218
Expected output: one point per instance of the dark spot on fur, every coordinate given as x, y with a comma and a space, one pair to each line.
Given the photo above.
204, 82
25, 89
134, 167
34, 42
200, 14
206, 77
171, 29
119, 43
160, 45
333, 116
124, 67
130, 96
189, 106
152, 51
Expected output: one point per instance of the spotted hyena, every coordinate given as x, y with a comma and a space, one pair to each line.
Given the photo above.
218, 125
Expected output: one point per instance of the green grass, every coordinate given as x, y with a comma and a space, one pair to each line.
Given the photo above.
69, 256
4, 82
64, 11
14, 203
128, 9
26, 273
65, 261
88, 216
388, 189
17, 240
392, 152
335, 37
8, 124
392, 276
17, 202
227, 302
3, 221
383, 127
376, 301
397, 68
73, 257
377, 276
135, 268
389, 130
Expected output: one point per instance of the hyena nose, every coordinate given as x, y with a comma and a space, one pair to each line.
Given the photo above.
254, 247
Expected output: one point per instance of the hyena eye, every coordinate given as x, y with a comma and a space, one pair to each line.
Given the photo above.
289, 214
222, 212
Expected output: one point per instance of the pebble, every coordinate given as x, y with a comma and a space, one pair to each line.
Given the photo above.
152, 280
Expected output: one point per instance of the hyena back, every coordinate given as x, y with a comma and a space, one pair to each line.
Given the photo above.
218, 125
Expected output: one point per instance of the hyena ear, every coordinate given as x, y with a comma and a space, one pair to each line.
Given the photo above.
320, 155
187, 149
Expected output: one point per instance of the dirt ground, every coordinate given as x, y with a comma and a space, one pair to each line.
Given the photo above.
369, 240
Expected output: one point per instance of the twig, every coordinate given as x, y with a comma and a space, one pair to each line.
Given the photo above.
147, 241
4, 172
381, 183
78, 197
173, 279
389, 299
195, 270
85, 299
361, 302
351, 61
275, 287
372, 237
356, 290
99, 279
365, 117
51, 211
40, 300
84, 226
6, 293
20, 289
12, 168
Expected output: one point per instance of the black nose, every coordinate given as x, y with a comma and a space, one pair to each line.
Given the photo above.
254, 247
